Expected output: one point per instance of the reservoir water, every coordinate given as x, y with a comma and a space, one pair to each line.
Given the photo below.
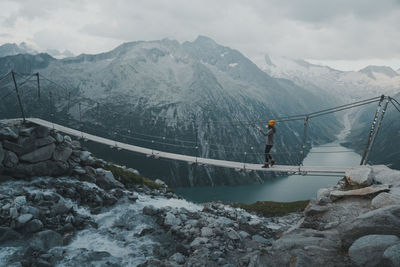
283, 189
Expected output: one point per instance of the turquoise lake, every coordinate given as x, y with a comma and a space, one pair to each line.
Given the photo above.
285, 188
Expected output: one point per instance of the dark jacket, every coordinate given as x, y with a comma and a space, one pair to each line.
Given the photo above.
270, 135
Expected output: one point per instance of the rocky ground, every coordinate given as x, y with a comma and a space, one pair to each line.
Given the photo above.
59, 206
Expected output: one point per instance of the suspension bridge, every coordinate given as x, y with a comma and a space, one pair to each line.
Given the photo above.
383, 102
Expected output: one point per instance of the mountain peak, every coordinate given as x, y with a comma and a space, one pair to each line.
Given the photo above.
371, 69
201, 39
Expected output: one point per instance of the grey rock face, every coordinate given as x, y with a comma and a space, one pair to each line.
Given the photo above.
8, 133
391, 256
41, 154
385, 199
10, 160
44, 141
366, 191
62, 153
23, 146
44, 168
383, 221
368, 250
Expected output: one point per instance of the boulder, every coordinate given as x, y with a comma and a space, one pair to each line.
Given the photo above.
383, 221
366, 191
160, 182
172, 220
41, 131
368, 250
13, 213
62, 153
26, 131
232, 234
44, 168
178, 258
33, 226
30, 210
385, 175
10, 159
207, 232
24, 218
105, 179
59, 138
361, 175
260, 239
198, 241
24, 145
68, 139
47, 239
84, 156
150, 210
76, 145
385, 199
7, 133
391, 256
44, 141
19, 201
41, 154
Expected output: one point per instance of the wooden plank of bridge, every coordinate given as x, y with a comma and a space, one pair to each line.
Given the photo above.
321, 170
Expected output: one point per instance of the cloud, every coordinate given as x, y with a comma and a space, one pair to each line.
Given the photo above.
313, 29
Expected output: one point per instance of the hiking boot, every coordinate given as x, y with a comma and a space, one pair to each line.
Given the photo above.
266, 165
272, 162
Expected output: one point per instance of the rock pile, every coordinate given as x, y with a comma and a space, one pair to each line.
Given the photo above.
355, 223
216, 236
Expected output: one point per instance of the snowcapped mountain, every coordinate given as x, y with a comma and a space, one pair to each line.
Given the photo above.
368, 82
175, 97
14, 49
11, 49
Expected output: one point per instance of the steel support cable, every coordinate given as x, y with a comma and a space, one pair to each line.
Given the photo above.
393, 103
350, 107
5, 76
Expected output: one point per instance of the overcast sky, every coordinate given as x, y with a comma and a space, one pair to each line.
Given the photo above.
345, 34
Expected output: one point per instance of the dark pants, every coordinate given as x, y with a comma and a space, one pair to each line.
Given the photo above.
267, 150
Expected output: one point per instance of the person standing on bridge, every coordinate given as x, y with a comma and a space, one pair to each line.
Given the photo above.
270, 142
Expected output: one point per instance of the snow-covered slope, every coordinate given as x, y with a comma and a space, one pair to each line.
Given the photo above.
163, 91
11, 49
368, 82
